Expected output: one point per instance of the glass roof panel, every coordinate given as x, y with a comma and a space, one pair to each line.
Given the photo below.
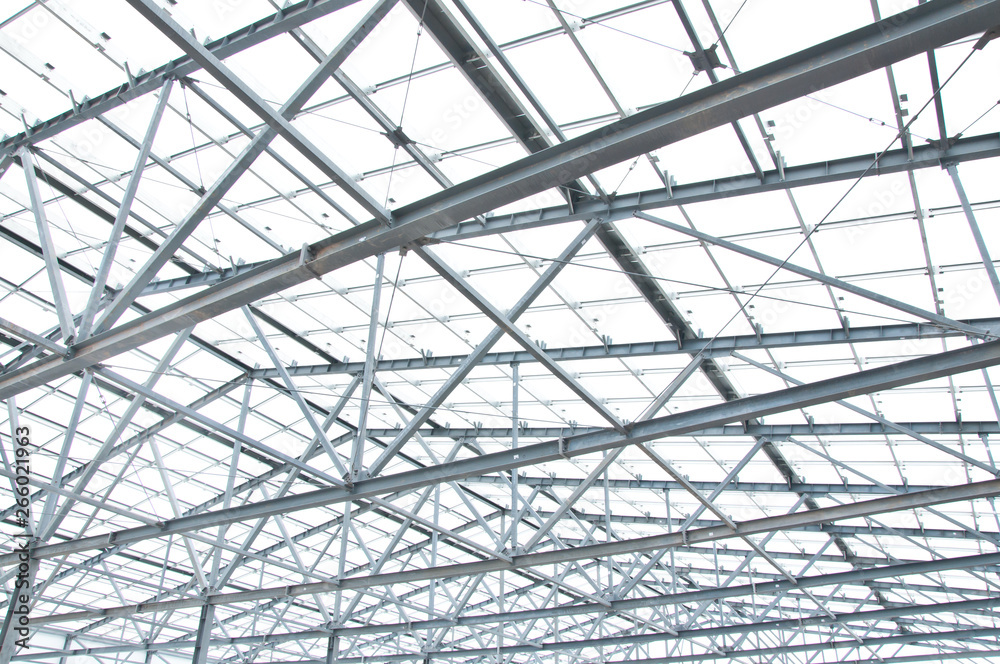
713, 380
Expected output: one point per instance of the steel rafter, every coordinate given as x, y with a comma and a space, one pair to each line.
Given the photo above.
421, 578
966, 149
278, 125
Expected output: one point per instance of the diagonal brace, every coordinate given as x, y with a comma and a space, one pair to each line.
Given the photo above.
229, 177
505, 324
473, 358
278, 121
817, 276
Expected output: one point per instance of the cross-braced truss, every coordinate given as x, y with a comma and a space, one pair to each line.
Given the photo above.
499, 331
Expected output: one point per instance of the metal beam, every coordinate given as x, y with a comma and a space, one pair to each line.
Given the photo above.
872, 47
203, 641
775, 432
873, 380
977, 234
469, 362
584, 552
758, 654
830, 529
959, 607
373, 349
28, 335
850, 644
49, 508
478, 71
288, 18
624, 205
812, 489
814, 275
715, 347
861, 529
973, 148
213, 196
278, 122
965, 458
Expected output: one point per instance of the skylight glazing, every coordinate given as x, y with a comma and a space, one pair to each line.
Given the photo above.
454, 330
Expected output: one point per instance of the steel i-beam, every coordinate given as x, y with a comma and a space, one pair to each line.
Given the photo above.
917, 30
863, 382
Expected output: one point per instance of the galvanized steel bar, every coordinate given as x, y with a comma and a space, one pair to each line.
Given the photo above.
817, 276
285, 20
917, 30
883, 378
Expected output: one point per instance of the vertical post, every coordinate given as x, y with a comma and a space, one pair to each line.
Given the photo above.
66, 326
432, 586
358, 454
331, 649
515, 505
204, 636
673, 566
503, 625
234, 462
345, 529
607, 523
974, 227
66, 643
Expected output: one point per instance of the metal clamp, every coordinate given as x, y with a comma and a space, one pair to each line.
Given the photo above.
306, 256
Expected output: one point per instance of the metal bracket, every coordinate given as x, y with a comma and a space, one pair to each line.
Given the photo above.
705, 59
563, 448
306, 256
398, 137
987, 37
